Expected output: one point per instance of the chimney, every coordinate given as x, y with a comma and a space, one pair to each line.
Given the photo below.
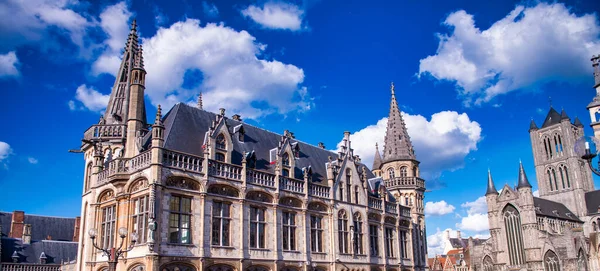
16, 226
458, 234
237, 117
446, 235
76, 233
26, 239
49, 237
321, 145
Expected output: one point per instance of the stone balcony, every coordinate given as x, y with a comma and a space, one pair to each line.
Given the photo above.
405, 182
106, 132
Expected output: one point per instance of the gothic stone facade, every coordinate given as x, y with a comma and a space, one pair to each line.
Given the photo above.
559, 229
206, 192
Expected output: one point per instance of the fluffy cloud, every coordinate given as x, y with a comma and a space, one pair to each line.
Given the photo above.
440, 144
210, 10
536, 193
529, 47
32, 160
8, 64
276, 15
113, 21
438, 208
474, 222
477, 206
29, 21
223, 63
90, 98
435, 242
5, 150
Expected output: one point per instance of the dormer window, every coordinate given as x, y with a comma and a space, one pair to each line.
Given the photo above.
221, 143
391, 173
285, 172
220, 157
403, 172
285, 159
241, 136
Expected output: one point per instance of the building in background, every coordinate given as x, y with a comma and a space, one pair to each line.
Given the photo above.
36, 243
202, 191
460, 254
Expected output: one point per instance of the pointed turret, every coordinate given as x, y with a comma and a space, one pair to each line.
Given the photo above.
158, 129
397, 141
377, 159
577, 122
564, 116
552, 118
523, 181
491, 188
532, 126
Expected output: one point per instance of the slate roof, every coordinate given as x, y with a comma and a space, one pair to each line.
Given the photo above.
186, 127
548, 208
592, 201
56, 251
397, 141
59, 228
552, 118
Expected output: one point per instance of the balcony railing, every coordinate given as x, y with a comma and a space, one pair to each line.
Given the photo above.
30, 267
402, 182
318, 190
220, 169
391, 208
179, 160
375, 203
260, 178
106, 131
114, 167
291, 185
140, 161
404, 211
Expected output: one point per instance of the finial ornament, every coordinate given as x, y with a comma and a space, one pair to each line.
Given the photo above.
134, 25
392, 88
200, 101
158, 115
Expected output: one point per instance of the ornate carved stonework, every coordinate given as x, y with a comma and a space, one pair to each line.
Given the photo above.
390, 220
374, 217
259, 196
183, 183
315, 206
292, 202
139, 185
108, 195
223, 190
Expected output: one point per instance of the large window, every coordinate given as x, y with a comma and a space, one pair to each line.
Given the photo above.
403, 171
512, 223
285, 159
389, 242
289, 231
180, 213
356, 194
257, 227
220, 157
108, 225
564, 176
343, 232
488, 265
374, 240
581, 261
221, 143
316, 233
221, 219
403, 244
88, 177
391, 173
140, 217
551, 262
358, 235
348, 184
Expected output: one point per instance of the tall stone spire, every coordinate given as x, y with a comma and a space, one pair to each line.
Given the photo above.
397, 141
523, 181
199, 105
491, 188
377, 159
118, 104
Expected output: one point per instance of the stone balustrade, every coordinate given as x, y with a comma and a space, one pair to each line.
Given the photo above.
30, 267
140, 161
106, 132
179, 160
404, 211
292, 185
112, 168
318, 190
391, 208
405, 182
220, 169
260, 178
375, 203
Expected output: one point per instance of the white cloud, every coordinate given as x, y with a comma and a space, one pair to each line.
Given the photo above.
114, 22
90, 98
440, 143
32, 160
29, 21
210, 10
8, 64
5, 150
477, 206
438, 208
435, 242
232, 74
474, 222
529, 47
536, 193
276, 15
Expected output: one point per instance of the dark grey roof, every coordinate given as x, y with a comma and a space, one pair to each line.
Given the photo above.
532, 126
552, 118
377, 159
186, 127
397, 141
523, 181
55, 251
592, 201
59, 228
563, 115
373, 186
577, 122
491, 188
548, 208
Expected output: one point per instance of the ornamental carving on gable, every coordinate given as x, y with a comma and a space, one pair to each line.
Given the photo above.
374, 217
315, 206
182, 183
259, 196
223, 190
139, 185
291, 202
108, 195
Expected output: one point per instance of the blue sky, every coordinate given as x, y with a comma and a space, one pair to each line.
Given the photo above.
469, 77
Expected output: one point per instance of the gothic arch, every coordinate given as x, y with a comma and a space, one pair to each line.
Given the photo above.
178, 266
581, 260
488, 264
137, 185
514, 234
106, 195
137, 267
551, 261
88, 177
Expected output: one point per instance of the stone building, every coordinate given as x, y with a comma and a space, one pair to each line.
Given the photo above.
202, 191
460, 254
36, 243
559, 229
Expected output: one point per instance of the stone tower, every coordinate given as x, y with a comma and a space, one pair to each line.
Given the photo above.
562, 175
399, 169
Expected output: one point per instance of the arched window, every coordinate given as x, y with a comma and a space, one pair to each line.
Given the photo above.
581, 261
566, 172
220, 157
403, 172
220, 267
356, 194
414, 171
285, 172
348, 184
343, 232
562, 176
88, 177
221, 143
488, 265
139, 267
551, 261
546, 148
358, 234
341, 196
285, 159
512, 224
594, 226
554, 178
391, 173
